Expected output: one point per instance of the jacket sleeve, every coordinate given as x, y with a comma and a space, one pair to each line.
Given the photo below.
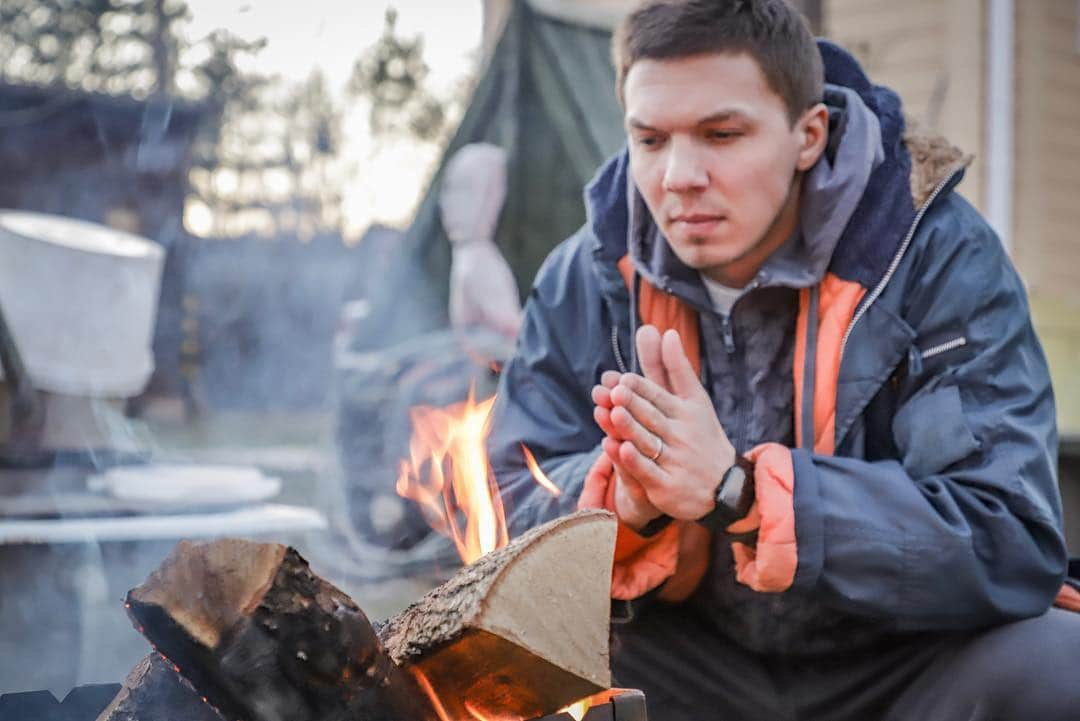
544, 392
958, 522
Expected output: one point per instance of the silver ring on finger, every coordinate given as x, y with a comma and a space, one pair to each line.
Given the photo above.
655, 458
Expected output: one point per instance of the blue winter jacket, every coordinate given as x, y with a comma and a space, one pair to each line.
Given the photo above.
939, 508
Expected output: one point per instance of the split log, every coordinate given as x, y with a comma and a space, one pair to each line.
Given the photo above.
523, 631
154, 691
264, 639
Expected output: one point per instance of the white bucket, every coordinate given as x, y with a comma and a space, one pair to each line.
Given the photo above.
81, 301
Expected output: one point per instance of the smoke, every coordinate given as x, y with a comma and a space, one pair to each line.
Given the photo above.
255, 365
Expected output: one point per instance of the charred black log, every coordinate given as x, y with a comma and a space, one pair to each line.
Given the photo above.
153, 691
264, 639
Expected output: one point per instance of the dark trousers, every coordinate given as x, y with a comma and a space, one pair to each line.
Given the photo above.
1018, 671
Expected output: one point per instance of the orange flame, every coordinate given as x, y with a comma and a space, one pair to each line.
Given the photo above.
449, 476
575, 710
425, 686
538, 474
450, 442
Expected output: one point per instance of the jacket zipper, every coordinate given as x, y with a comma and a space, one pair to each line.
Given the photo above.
729, 336
615, 347
880, 287
943, 347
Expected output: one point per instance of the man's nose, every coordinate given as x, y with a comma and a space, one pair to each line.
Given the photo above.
685, 170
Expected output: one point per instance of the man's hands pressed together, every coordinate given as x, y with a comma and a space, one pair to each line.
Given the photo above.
667, 446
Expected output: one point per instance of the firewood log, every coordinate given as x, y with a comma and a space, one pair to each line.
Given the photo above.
262, 638
154, 691
521, 632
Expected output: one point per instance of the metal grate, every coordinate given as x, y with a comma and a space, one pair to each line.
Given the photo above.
626, 705
85, 703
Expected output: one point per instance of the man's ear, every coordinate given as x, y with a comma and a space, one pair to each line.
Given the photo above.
813, 134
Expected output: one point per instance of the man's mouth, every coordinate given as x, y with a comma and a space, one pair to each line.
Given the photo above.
696, 222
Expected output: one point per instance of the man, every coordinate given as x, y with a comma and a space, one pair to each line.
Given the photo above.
778, 289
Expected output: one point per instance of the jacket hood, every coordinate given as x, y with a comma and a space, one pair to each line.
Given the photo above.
858, 201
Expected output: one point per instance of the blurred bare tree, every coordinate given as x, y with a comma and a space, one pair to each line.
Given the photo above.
391, 76
312, 143
264, 159
111, 46
271, 168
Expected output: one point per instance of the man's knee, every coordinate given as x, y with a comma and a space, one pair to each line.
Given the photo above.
1026, 669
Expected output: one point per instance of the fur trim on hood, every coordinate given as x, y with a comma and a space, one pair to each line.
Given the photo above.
933, 158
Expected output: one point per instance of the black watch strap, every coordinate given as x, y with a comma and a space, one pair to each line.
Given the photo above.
655, 526
734, 497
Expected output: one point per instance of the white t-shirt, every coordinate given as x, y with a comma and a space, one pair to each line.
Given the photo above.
722, 296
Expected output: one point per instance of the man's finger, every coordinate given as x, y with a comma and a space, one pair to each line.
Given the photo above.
664, 402
648, 353
601, 396
642, 410
684, 381
629, 429
634, 489
609, 379
595, 489
611, 449
602, 416
626, 479
643, 470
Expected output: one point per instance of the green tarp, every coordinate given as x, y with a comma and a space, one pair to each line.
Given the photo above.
547, 96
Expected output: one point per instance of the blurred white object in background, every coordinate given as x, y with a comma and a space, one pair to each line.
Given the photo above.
80, 300
164, 487
483, 291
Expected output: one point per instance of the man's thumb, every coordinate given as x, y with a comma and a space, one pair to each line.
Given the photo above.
683, 379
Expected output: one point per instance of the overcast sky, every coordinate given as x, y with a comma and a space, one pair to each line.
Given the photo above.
331, 34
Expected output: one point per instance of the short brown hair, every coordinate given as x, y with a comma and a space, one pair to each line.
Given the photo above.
772, 32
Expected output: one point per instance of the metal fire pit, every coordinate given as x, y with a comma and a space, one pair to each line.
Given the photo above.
624, 705
85, 703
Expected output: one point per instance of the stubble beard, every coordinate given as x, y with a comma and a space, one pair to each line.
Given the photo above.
766, 238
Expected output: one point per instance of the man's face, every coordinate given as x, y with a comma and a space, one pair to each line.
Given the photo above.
714, 154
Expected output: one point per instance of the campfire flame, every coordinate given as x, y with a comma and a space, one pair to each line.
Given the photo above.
449, 476
538, 474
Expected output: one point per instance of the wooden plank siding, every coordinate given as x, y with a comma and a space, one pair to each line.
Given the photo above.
1047, 209
932, 53
1048, 149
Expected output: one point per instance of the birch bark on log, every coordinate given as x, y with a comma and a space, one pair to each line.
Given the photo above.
521, 632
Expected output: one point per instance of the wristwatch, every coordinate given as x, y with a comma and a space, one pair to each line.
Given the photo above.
734, 496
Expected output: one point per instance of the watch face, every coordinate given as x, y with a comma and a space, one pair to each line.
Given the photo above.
731, 489
734, 497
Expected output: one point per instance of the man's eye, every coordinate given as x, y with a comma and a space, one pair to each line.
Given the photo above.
722, 134
648, 141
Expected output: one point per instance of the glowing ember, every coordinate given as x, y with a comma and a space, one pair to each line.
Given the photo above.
477, 715
425, 685
577, 710
449, 476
